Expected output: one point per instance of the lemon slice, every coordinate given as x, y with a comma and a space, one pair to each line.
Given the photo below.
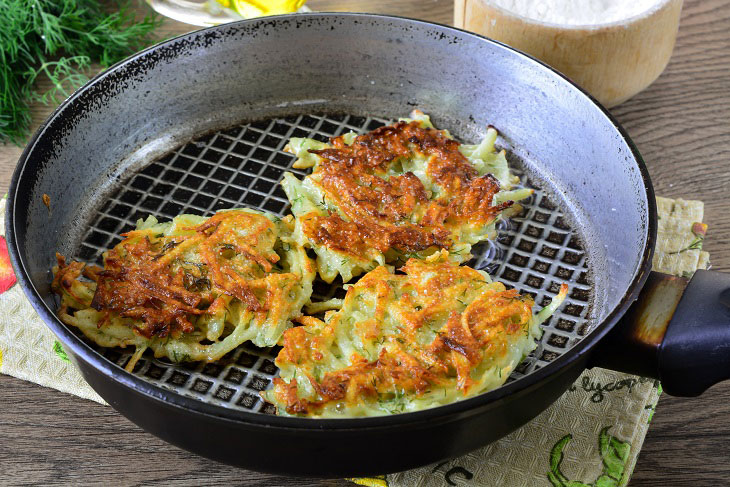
258, 8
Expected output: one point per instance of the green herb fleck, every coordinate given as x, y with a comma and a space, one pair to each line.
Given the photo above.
165, 248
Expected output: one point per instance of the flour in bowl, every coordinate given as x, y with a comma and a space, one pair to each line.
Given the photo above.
577, 12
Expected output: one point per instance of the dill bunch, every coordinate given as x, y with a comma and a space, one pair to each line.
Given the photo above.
59, 39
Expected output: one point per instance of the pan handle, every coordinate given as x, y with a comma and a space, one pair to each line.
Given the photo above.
676, 331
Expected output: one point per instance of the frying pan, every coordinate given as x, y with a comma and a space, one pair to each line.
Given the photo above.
198, 123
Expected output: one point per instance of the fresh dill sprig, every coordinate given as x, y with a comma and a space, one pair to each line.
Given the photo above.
59, 39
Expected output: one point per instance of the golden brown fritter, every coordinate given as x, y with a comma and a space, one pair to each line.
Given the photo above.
435, 334
402, 190
233, 277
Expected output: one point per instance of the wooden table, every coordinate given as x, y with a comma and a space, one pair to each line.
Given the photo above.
681, 125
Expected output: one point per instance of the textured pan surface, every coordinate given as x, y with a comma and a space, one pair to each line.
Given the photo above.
242, 166
94, 158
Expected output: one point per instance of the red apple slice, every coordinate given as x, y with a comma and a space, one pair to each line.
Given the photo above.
7, 276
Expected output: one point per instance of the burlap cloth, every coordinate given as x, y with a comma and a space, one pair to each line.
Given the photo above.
590, 437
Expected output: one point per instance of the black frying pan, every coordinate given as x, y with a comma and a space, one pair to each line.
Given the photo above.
197, 123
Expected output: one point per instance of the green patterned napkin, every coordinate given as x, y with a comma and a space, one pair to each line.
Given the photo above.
590, 437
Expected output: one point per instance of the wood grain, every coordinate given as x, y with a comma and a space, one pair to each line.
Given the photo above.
681, 125
51, 438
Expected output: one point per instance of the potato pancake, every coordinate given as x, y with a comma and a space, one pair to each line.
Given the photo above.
191, 289
404, 342
403, 190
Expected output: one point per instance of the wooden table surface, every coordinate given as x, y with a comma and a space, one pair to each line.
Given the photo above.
681, 125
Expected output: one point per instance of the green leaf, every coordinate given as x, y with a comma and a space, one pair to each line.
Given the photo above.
58, 348
622, 448
603, 441
614, 454
554, 480
556, 457
606, 481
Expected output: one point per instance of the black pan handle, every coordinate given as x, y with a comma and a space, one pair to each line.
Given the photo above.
676, 331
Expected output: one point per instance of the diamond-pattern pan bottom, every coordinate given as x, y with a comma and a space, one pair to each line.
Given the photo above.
242, 166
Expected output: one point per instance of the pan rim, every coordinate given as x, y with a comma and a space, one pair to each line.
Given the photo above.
82, 351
